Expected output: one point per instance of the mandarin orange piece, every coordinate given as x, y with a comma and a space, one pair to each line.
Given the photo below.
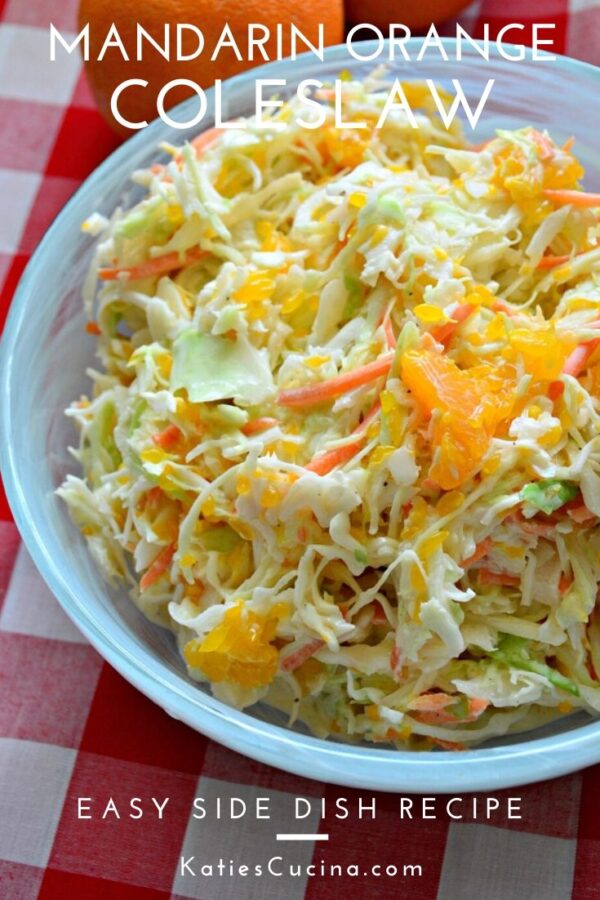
542, 352
237, 650
471, 404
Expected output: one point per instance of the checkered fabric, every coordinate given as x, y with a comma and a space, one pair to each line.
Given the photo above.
70, 727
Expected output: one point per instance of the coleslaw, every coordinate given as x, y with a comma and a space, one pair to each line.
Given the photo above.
344, 436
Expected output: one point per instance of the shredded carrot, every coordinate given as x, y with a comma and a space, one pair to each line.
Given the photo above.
389, 334
158, 169
486, 576
160, 564
579, 512
575, 364
437, 718
577, 198
504, 307
432, 702
550, 262
379, 617
428, 342
325, 462
392, 734
441, 717
431, 709
159, 265
538, 529
477, 705
564, 583
444, 333
481, 550
299, 656
448, 745
93, 328
543, 143
338, 385
167, 438
578, 359
255, 425
568, 143
204, 140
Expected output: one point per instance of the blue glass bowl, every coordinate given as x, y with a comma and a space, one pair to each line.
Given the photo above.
44, 354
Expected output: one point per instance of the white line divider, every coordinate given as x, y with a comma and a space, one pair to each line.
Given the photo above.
302, 837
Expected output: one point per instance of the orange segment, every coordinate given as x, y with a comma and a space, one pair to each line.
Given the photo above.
542, 352
238, 650
471, 404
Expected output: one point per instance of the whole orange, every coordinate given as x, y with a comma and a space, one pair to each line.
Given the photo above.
210, 16
414, 13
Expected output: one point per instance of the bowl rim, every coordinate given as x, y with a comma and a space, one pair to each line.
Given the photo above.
486, 768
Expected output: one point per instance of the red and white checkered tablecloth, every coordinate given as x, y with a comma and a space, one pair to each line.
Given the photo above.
71, 727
